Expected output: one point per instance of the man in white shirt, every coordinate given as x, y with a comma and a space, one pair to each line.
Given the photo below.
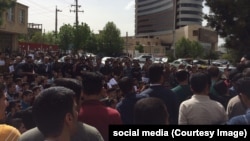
200, 109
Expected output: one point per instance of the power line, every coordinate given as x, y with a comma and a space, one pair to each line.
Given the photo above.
57, 10
76, 11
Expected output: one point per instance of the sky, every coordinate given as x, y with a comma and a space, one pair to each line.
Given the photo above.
95, 13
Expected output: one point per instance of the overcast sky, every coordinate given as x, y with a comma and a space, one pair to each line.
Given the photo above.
96, 13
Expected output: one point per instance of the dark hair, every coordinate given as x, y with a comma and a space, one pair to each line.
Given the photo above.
181, 75
246, 72
199, 81
243, 85
155, 72
126, 85
247, 56
1, 93
221, 87
213, 71
15, 122
12, 104
50, 108
27, 118
150, 110
92, 83
72, 84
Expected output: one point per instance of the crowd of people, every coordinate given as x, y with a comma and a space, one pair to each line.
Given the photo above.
77, 99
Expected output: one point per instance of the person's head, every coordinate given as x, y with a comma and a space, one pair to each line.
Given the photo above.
92, 83
36, 90
221, 87
11, 87
213, 71
27, 117
3, 104
18, 124
14, 106
55, 111
19, 81
156, 73
245, 58
72, 84
150, 110
181, 75
200, 83
246, 72
242, 87
28, 59
126, 85
27, 96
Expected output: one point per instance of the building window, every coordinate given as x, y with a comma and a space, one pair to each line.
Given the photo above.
195, 33
10, 15
22, 16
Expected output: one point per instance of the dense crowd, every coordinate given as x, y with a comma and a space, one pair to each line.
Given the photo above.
42, 98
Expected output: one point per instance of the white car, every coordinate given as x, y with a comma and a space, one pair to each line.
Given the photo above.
142, 58
106, 58
179, 62
161, 60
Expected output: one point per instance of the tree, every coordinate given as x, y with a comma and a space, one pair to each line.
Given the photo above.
139, 48
50, 38
37, 38
196, 50
231, 19
186, 49
66, 37
110, 37
92, 44
81, 35
5, 4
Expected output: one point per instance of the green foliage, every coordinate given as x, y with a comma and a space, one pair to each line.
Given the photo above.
110, 37
231, 19
66, 37
37, 37
211, 55
92, 44
230, 56
82, 34
139, 48
188, 49
50, 38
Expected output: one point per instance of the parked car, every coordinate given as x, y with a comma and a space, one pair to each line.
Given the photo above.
179, 62
142, 58
106, 58
161, 60
220, 62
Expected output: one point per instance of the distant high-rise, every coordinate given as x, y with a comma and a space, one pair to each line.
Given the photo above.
159, 17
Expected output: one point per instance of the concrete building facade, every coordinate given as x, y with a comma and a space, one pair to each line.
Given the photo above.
159, 24
15, 21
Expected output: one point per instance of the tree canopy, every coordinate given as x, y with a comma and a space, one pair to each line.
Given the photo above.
231, 19
188, 49
110, 37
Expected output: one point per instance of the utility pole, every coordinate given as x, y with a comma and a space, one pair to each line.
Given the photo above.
76, 11
57, 10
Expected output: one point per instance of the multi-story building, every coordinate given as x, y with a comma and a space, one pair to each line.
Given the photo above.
157, 17
15, 21
162, 22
